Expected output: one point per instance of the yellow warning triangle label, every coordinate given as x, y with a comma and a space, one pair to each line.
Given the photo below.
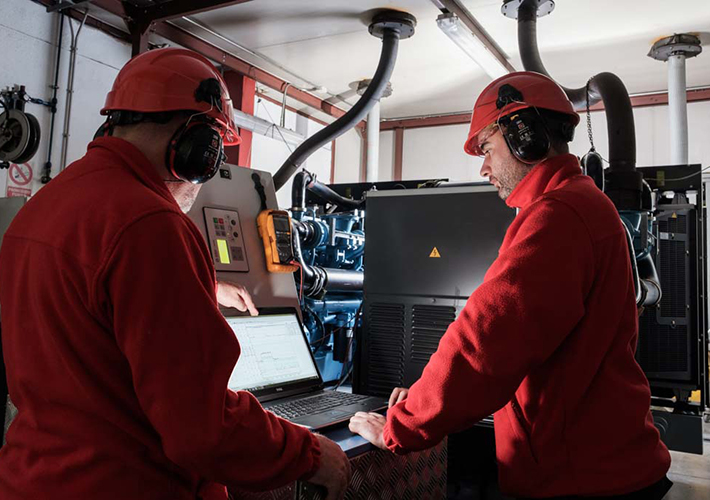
674, 216
435, 254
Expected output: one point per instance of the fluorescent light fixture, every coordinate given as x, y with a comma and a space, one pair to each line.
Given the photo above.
452, 26
266, 128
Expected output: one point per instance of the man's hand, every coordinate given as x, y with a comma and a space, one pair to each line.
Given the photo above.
370, 426
233, 295
334, 471
398, 394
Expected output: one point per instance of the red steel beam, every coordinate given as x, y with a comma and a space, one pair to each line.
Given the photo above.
242, 90
192, 41
426, 121
398, 153
638, 101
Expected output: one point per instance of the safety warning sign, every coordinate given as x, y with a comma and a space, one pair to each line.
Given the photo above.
21, 175
435, 254
19, 178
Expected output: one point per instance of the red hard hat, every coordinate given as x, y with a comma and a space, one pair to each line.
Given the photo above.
167, 80
537, 90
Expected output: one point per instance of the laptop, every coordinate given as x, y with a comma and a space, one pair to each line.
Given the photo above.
277, 366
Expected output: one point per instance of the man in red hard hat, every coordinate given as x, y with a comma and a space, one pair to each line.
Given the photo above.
117, 356
547, 342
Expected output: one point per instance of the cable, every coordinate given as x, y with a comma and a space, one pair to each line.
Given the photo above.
686, 176
300, 268
344, 378
278, 129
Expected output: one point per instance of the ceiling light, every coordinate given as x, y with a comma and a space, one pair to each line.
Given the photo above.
450, 24
266, 128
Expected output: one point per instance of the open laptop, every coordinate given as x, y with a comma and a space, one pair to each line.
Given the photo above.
277, 366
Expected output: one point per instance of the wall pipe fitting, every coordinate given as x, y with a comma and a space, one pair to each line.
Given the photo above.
391, 26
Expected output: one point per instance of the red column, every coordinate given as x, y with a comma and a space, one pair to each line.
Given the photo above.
398, 153
242, 90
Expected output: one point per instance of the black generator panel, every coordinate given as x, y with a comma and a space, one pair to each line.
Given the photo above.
672, 347
427, 251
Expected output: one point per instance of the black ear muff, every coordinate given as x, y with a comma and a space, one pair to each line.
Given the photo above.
526, 135
195, 153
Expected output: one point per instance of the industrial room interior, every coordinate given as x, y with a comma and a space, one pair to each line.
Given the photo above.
351, 213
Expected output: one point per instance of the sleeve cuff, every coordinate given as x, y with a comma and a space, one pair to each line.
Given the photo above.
315, 458
390, 442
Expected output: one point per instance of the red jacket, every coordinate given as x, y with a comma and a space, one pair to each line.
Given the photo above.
117, 355
547, 342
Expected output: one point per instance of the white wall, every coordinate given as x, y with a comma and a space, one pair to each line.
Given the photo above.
28, 37
270, 153
437, 152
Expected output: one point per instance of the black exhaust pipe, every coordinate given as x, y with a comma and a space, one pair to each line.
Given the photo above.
624, 185
392, 26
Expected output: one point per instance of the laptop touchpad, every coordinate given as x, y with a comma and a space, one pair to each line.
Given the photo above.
336, 413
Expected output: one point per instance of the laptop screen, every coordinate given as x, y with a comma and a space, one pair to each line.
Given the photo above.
274, 352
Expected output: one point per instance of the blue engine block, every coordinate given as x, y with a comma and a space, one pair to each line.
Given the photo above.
336, 241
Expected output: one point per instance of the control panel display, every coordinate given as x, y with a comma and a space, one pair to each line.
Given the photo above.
226, 243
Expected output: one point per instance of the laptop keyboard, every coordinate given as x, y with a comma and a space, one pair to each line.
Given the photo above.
315, 404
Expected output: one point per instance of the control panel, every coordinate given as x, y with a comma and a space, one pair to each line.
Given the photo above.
224, 234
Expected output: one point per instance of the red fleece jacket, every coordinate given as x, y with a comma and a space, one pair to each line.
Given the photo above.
547, 342
117, 355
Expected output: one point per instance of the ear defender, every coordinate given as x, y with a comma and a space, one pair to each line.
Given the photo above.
195, 153
526, 135
524, 131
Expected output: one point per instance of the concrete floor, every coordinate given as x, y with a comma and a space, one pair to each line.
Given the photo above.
691, 474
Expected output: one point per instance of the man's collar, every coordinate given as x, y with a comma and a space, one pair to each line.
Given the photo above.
545, 176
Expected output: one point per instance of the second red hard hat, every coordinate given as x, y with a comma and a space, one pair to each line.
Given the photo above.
537, 91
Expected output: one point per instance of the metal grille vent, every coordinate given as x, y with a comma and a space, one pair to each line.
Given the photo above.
662, 348
672, 270
385, 367
429, 323
677, 225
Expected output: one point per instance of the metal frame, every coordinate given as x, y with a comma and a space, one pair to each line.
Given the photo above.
63, 4
161, 26
171, 9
